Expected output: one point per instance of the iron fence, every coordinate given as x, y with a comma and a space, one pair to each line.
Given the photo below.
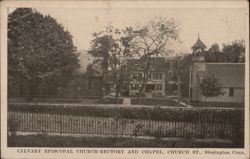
133, 121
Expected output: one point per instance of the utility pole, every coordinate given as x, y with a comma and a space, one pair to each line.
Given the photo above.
190, 85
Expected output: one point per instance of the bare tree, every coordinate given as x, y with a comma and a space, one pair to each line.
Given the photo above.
150, 40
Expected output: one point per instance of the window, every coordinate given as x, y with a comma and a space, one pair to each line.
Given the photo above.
157, 76
150, 76
134, 86
231, 92
158, 87
124, 86
136, 75
172, 76
154, 75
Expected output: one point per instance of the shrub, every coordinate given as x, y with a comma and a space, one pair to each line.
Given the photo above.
145, 113
12, 125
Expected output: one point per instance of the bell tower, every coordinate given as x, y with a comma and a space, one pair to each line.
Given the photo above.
199, 65
198, 50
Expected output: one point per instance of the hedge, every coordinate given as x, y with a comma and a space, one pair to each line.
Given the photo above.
146, 113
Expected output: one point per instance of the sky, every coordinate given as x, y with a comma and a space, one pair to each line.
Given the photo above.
220, 25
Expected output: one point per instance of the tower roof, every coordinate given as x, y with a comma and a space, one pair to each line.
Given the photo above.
199, 44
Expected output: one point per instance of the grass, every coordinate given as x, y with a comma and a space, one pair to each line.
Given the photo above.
108, 101
144, 101
217, 104
55, 100
69, 141
155, 101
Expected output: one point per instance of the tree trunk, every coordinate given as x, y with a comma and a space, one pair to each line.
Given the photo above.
105, 73
139, 95
146, 76
190, 85
117, 91
140, 92
32, 90
21, 88
104, 83
179, 89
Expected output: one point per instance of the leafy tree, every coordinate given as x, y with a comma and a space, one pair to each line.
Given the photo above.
185, 61
235, 51
214, 48
150, 40
93, 68
210, 87
40, 51
142, 42
185, 64
214, 54
114, 47
180, 68
100, 48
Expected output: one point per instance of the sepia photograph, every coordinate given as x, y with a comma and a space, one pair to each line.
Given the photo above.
126, 77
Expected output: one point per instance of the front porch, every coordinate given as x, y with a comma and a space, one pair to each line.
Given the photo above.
150, 90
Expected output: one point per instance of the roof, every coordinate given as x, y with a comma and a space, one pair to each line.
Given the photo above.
158, 63
85, 59
228, 74
199, 44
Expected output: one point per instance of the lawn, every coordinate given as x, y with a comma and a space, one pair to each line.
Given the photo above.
218, 104
54, 100
144, 101
69, 141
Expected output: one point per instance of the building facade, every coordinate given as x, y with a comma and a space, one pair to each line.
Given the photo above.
231, 77
155, 85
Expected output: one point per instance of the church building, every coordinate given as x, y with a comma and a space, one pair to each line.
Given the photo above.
231, 77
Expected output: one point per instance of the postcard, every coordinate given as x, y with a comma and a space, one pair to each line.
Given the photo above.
124, 79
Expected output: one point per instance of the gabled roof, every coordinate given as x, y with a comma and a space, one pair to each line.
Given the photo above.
228, 74
157, 63
86, 59
199, 44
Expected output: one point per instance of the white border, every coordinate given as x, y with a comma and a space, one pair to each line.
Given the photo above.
11, 152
